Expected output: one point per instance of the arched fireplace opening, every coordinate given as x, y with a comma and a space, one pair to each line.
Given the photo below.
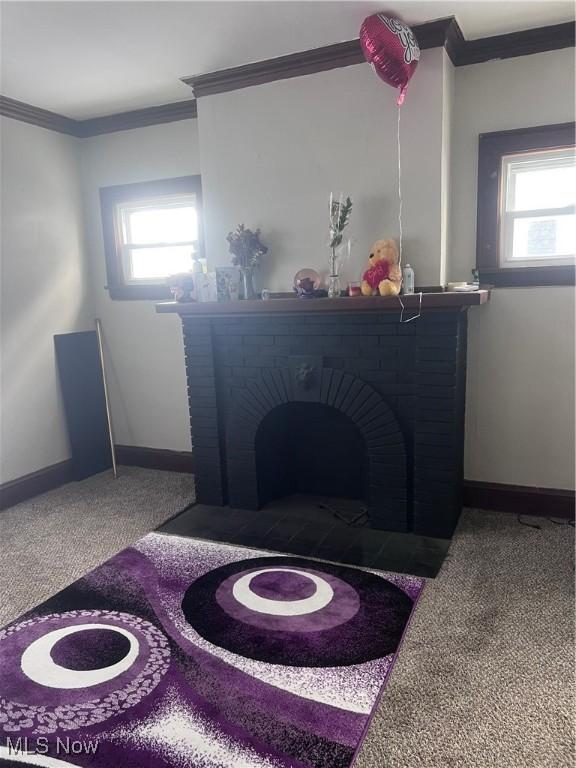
310, 448
288, 428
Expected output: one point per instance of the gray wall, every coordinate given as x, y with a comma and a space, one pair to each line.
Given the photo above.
520, 414
271, 154
144, 351
44, 290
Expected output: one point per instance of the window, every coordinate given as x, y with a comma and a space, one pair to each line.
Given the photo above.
526, 232
151, 230
538, 219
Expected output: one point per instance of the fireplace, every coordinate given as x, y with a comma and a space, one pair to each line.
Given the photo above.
310, 448
331, 398
314, 429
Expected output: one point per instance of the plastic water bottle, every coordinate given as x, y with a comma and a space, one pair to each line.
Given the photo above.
407, 279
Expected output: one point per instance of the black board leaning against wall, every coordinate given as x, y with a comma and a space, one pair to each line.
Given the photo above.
82, 388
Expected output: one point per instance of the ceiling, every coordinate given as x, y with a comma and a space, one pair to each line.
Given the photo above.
86, 59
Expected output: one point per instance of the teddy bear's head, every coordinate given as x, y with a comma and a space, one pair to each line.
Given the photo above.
384, 250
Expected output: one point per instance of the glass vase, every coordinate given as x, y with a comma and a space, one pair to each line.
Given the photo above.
334, 290
334, 287
248, 284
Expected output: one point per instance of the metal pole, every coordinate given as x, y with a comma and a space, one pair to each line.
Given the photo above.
106, 400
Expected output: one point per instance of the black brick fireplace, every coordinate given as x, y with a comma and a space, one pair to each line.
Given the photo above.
341, 400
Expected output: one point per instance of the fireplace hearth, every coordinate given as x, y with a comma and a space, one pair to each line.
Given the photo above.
339, 401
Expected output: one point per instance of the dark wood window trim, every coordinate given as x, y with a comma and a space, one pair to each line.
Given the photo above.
492, 147
110, 197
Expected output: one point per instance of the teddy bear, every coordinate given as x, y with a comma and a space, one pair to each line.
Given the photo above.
383, 276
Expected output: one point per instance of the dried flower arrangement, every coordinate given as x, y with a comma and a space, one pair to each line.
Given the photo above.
245, 247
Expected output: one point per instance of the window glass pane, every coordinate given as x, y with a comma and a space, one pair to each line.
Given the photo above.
151, 263
162, 225
544, 237
545, 188
540, 180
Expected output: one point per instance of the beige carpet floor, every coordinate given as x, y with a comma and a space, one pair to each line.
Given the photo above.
485, 677
49, 541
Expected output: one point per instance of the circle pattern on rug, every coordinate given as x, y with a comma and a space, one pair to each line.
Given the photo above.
46, 684
297, 612
243, 593
39, 666
91, 648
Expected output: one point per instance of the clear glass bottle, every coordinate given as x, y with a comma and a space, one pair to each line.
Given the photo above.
334, 287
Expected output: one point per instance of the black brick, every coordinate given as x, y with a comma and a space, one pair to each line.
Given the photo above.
435, 379
424, 487
442, 463
241, 370
431, 438
425, 390
433, 428
445, 405
201, 381
384, 381
233, 357
366, 341
410, 413
435, 353
436, 366
380, 359
393, 342
190, 351
369, 329
443, 329
255, 340
434, 417
436, 342
209, 440
200, 360
425, 473
362, 364
264, 361
436, 450
393, 481
196, 372
201, 390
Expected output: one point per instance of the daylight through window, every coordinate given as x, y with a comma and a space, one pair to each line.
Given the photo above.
158, 237
152, 230
538, 208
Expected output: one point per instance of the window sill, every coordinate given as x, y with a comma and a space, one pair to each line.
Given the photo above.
527, 276
139, 292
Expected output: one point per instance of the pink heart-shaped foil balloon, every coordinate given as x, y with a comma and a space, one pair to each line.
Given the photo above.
392, 49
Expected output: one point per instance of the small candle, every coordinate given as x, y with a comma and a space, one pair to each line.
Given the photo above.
354, 289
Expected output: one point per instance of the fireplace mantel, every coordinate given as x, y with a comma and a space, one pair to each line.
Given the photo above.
297, 396
430, 301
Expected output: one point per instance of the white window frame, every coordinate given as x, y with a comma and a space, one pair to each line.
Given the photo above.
123, 235
535, 159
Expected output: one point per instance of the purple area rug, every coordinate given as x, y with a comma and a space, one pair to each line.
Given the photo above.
193, 654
